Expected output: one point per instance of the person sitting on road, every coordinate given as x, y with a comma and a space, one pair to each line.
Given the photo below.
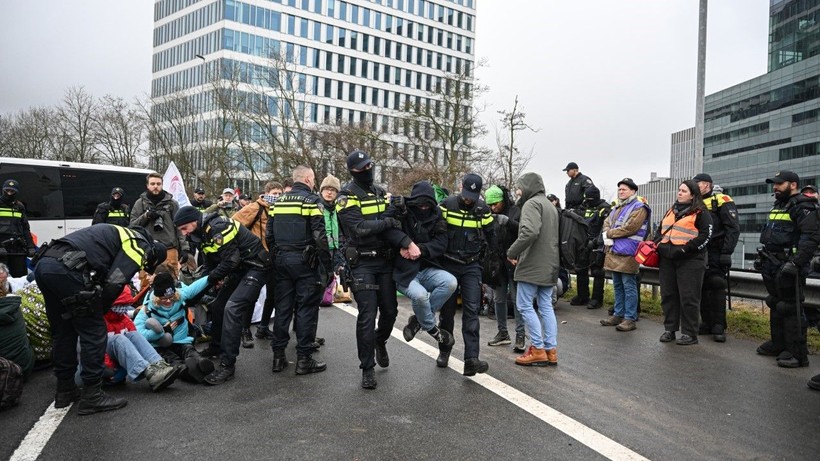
163, 322
684, 233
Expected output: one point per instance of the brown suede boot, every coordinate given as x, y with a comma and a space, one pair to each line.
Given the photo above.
552, 356
612, 321
534, 357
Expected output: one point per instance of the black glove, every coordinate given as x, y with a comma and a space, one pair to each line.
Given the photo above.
183, 257
392, 222
31, 252
789, 270
502, 219
480, 211
152, 214
725, 261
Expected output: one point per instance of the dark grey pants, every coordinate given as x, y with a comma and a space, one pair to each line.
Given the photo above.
681, 284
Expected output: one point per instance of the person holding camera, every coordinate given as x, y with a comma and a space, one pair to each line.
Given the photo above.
155, 210
225, 207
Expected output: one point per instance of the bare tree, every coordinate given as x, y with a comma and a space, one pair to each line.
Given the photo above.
120, 130
75, 127
512, 160
29, 134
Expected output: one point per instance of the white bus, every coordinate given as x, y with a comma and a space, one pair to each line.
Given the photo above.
61, 197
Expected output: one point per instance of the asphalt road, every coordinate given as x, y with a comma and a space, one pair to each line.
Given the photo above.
613, 395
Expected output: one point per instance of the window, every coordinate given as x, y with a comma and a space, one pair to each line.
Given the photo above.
303, 28
317, 7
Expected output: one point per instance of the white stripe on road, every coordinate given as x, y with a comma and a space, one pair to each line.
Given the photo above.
587, 436
37, 438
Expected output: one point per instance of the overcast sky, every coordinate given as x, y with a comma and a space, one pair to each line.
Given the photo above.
605, 81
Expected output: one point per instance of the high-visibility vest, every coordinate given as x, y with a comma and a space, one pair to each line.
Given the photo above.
681, 231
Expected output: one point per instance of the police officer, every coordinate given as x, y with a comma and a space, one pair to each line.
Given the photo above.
469, 228
577, 184
359, 208
296, 236
789, 240
80, 276
594, 210
200, 202
235, 260
15, 235
113, 211
725, 233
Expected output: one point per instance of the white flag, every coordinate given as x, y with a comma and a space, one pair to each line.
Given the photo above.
172, 182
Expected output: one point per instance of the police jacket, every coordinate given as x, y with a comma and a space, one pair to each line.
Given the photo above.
426, 229
792, 229
167, 207
360, 211
229, 246
14, 225
595, 213
574, 190
115, 253
725, 226
201, 205
684, 233
112, 214
468, 229
296, 221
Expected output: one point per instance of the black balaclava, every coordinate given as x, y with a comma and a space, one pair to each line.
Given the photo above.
116, 201
364, 177
9, 197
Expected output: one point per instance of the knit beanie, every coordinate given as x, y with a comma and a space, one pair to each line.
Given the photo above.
186, 214
493, 195
331, 181
163, 285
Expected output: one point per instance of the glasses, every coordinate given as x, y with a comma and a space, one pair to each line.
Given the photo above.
166, 299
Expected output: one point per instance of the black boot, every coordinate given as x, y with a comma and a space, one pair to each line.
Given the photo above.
474, 365
280, 362
306, 364
94, 400
443, 359
67, 393
381, 354
369, 379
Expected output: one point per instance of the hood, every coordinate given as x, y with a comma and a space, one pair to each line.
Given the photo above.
422, 192
530, 185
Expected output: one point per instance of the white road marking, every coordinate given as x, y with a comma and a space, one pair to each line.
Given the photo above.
37, 438
585, 435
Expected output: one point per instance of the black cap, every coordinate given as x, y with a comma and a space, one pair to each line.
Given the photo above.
571, 166
11, 184
629, 183
187, 214
117, 190
357, 160
552, 197
471, 186
592, 193
702, 177
783, 176
809, 187
155, 256
245, 197
199, 190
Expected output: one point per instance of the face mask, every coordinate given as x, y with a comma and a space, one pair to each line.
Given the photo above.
116, 201
363, 177
9, 197
270, 198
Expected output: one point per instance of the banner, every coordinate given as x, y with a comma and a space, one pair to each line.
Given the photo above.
172, 183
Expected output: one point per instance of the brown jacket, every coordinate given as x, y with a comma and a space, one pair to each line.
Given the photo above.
254, 216
622, 263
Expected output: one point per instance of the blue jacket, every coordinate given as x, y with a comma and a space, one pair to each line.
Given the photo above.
168, 314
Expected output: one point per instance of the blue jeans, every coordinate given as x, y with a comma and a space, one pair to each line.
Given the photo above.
131, 351
541, 336
501, 306
429, 291
626, 295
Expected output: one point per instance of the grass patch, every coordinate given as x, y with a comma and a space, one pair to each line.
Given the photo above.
745, 320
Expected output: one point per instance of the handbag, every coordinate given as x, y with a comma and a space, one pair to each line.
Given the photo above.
329, 294
647, 252
342, 295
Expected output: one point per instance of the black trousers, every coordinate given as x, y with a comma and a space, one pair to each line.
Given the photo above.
375, 293
598, 278
787, 325
17, 265
469, 285
713, 296
681, 281
238, 295
298, 293
57, 282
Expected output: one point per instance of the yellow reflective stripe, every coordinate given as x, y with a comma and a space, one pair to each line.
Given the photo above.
227, 235
116, 214
9, 213
130, 247
287, 208
779, 215
372, 206
466, 220
311, 209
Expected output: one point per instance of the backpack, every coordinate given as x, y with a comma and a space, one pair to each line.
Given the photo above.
572, 237
11, 383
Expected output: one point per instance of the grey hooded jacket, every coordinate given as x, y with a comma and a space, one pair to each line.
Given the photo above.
536, 247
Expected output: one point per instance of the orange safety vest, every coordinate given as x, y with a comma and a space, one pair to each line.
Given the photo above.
682, 230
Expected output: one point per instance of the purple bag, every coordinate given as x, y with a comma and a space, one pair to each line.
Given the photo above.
330, 291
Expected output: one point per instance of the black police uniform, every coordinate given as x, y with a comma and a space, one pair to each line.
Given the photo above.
574, 190
15, 234
591, 260
80, 276
789, 240
296, 236
469, 228
113, 211
725, 233
201, 205
236, 257
359, 208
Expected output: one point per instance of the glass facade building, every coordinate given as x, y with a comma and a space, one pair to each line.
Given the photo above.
794, 31
353, 61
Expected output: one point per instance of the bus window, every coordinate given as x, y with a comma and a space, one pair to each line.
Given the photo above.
83, 190
39, 189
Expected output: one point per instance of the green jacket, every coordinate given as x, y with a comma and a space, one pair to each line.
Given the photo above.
536, 247
14, 343
331, 228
